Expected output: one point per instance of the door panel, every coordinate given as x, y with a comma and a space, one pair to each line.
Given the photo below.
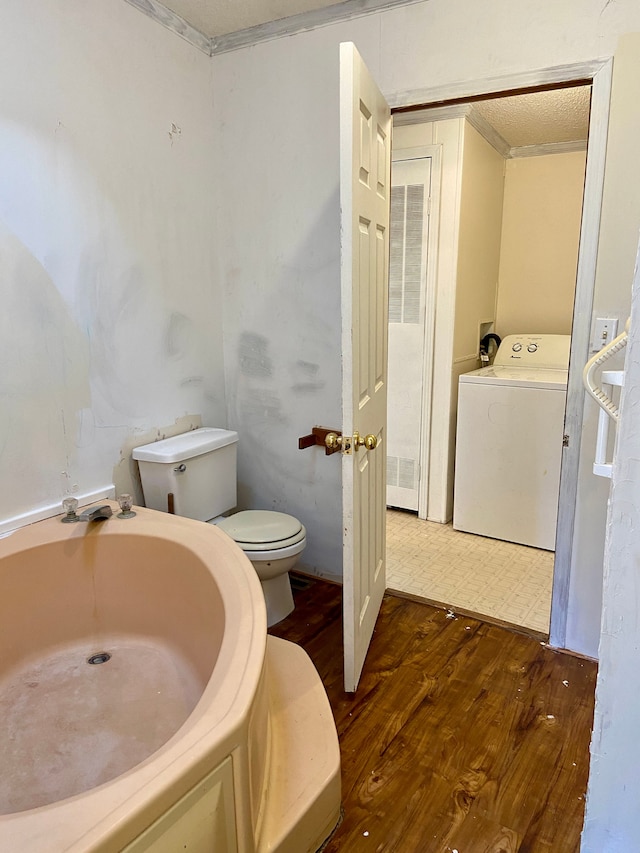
365, 163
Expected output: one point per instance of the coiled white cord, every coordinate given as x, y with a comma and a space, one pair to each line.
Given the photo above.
597, 361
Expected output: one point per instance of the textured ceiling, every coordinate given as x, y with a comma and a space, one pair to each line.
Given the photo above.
220, 17
538, 118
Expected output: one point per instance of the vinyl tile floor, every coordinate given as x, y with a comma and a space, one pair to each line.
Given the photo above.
500, 580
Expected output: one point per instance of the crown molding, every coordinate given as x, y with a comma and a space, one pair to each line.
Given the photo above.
431, 114
486, 130
466, 111
263, 32
159, 13
548, 148
333, 14
305, 21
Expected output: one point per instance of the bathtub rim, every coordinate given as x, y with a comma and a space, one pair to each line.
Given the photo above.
131, 801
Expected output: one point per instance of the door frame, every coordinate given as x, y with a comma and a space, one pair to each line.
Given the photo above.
598, 73
399, 155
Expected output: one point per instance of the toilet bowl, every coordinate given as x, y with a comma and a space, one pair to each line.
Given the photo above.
194, 474
273, 542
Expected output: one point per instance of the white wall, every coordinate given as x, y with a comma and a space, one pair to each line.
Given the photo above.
277, 116
620, 227
114, 227
611, 824
276, 110
111, 317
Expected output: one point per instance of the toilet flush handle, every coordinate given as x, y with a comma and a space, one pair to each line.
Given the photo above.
180, 469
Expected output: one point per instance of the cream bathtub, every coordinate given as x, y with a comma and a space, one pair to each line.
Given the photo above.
198, 733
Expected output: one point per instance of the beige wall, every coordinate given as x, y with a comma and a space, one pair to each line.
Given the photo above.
479, 234
478, 242
540, 235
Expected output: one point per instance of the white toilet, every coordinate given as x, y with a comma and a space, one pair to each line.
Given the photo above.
194, 475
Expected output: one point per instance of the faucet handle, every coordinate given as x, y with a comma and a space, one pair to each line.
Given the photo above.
70, 505
125, 502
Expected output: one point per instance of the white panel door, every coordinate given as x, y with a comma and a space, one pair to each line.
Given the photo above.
365, 175
408, 230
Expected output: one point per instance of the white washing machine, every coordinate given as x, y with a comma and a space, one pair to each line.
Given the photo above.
509, 442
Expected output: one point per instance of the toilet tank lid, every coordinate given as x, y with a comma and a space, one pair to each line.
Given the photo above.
186, 445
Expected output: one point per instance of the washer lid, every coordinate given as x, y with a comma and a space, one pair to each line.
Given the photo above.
518, 377
256, 527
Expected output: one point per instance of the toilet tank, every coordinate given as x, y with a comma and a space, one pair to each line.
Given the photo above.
197, 468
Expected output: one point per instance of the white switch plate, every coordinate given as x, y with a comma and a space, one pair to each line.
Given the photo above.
605, 330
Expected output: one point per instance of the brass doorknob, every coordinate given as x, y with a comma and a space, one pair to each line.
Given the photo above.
368, 441
332, 440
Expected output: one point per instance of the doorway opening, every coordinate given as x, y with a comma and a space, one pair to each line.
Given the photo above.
492, 246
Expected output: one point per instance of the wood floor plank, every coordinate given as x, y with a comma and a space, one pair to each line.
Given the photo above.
462, 735
479, 834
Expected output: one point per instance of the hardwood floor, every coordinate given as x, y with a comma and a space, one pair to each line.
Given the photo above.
462, 736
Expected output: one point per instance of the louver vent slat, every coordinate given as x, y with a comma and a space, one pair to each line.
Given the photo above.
405, 253
402, 472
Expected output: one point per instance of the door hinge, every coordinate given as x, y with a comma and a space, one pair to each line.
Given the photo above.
565, 440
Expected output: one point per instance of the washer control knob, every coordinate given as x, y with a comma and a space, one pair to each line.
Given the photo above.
516, 347
532, 347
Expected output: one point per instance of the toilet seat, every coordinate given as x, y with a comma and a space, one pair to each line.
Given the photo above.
263, 530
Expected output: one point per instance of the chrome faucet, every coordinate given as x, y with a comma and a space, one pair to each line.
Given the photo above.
92, 513
96, 513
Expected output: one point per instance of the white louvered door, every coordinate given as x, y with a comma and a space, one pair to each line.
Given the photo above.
410, 190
